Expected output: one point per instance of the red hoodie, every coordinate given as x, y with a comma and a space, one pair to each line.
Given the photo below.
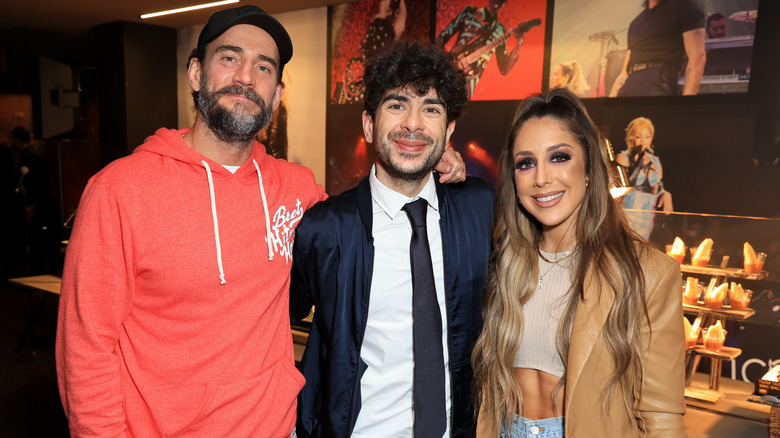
149, 340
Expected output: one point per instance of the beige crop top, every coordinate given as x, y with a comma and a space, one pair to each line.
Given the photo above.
542, 313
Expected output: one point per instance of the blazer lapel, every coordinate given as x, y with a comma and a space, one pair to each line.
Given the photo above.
589, 319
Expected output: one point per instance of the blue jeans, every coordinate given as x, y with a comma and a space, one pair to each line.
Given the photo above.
525, 428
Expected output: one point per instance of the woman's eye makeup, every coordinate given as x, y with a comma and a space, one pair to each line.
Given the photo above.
558, 157
555, 157
525, 163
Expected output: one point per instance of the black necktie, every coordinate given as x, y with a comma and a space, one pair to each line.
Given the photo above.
430, 417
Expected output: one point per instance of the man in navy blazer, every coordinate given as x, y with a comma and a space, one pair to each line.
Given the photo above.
351, 260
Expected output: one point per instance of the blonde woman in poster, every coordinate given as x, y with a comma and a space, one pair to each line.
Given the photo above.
645, 175
583, 331
569, 75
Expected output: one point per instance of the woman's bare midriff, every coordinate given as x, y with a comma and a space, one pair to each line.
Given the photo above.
537, 388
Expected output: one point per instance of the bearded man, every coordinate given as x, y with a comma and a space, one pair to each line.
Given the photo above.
395, 268
174, 311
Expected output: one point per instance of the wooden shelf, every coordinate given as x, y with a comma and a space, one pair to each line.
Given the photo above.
705, 314
735, 403
46, 283
702, 395
723, 272
723, 312
725, 353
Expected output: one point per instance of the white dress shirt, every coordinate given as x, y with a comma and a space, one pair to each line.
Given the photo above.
387, 385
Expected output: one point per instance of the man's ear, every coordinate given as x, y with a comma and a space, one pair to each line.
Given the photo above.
368, 127
450, 129
193, 74
278, 95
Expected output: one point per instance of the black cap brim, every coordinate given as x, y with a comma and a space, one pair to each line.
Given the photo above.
223, 20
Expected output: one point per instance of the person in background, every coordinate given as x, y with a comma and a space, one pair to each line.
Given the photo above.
27, 216
716, 26
658, 39
583, 323
174, 311
379, 361
475, 28
8, 235
645, 175
387, 25
569, 75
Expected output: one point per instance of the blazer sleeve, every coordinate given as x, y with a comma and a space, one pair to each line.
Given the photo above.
662, 402
301, 295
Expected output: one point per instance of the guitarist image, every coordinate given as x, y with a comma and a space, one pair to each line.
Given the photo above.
479, 34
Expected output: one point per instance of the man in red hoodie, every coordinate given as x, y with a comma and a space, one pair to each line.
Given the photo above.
175, 292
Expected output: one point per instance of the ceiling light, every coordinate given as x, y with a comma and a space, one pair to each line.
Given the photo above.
188, 8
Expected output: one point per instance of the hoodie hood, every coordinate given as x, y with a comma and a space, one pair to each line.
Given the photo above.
169, 143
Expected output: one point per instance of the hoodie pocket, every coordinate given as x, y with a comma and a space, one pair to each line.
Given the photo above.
257, 406
174, 408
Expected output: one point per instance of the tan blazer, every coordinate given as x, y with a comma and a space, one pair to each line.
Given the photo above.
662, 403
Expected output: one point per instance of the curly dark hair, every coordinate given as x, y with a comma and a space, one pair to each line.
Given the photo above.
419, 65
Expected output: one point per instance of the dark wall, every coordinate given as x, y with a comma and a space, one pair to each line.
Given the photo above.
126, 77
22, 48
137, 84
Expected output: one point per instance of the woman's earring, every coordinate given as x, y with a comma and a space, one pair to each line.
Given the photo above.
587, 181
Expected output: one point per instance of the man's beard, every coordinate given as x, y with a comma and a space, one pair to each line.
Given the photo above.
384, 154
236, 126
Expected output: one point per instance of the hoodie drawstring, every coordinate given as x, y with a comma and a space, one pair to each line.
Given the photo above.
216, 225
265, 209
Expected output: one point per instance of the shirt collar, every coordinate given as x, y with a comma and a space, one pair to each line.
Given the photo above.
391, 202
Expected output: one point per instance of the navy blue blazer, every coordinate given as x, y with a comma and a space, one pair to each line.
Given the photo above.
333, 259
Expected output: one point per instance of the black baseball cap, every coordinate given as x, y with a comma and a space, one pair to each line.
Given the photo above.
223, 20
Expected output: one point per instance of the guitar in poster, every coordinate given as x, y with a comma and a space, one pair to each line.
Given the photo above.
468, 59
501, 61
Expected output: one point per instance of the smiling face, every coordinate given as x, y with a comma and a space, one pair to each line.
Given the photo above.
237, 83
409, 133
550, 177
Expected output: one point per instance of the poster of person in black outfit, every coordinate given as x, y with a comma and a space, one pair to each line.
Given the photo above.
659, 38
658, 47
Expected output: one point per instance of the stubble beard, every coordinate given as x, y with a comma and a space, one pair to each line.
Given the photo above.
235, 126
399, 171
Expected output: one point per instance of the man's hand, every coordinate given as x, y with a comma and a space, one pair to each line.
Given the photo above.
451, 167
621, 79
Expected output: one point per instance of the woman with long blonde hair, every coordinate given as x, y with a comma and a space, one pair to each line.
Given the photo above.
583, 324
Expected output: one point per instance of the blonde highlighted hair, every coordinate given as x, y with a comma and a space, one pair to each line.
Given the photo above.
633, 129
577, 82
607, 250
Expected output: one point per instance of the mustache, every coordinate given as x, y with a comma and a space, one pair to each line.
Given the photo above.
410, 136
243, 91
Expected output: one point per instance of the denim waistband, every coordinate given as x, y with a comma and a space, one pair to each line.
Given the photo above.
525, 428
